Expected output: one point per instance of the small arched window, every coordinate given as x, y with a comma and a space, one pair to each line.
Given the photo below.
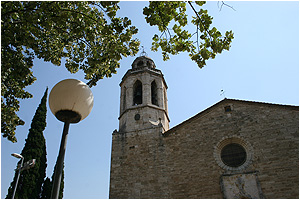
140, 63
154, 99
124, 98
137, 93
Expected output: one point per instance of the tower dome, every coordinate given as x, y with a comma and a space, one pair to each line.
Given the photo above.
143, 62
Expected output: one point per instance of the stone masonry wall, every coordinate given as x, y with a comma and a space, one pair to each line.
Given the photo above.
137, 165
183, 162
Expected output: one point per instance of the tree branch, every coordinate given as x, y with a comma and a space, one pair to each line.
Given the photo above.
199, 20
103, 10
28, 8
224, 4
68, 10
166, 28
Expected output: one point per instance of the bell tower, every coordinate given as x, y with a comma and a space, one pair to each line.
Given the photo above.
143, 102
138, 147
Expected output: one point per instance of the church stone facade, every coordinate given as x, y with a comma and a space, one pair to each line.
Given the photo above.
233, 149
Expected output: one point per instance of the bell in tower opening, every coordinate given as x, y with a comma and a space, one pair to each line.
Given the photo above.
137, 94
154, 93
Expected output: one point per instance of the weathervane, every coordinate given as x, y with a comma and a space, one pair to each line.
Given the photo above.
223, 93
143, 52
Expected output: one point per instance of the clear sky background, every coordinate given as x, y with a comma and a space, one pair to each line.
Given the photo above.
262, 65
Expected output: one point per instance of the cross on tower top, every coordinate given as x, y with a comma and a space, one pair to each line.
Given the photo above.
143, 52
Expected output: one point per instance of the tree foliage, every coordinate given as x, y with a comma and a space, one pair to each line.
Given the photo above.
31, 180
91, 37
47, 186
87, 34
201, 45
46, 189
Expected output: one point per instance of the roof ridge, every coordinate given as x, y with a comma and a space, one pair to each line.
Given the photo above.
260, 102
223, 100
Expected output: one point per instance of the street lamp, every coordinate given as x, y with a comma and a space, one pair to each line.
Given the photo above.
70, 101
19, 171
29, 164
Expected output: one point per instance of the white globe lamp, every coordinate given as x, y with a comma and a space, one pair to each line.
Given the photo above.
70, 101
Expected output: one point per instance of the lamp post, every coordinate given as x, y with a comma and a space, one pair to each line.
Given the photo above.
19, 171
70, 101
29, 164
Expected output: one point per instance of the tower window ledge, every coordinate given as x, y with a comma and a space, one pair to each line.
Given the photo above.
153, 105
142, 106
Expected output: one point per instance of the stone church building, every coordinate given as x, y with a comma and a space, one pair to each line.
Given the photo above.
233, 149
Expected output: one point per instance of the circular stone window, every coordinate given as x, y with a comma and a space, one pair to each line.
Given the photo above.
233, 155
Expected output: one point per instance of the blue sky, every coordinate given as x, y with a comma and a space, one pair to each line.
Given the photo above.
262, 65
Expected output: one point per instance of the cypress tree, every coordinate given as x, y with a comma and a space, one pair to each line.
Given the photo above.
46, 190
31, 180
47, 187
